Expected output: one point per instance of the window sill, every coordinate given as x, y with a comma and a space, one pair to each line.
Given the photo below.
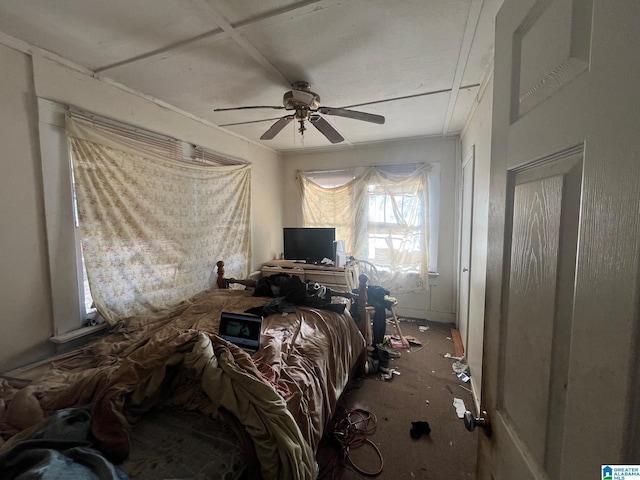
76, 334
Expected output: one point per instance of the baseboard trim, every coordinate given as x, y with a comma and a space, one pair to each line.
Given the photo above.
432, 316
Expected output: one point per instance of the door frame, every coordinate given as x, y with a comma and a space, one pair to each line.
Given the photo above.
468, 160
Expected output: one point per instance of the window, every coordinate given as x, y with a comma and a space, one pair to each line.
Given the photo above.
72, 301
394, 228
383, 214
144, 213
87, 308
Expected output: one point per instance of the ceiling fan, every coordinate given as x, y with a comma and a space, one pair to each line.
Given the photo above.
306, 105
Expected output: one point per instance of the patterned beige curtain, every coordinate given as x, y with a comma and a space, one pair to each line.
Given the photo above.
383, 218
153, 227
334, 207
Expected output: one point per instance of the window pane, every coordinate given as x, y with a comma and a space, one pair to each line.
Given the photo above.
394, 228
88, 299
84, 292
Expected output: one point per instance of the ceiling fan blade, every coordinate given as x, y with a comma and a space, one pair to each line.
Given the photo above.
247, 108
326, 129
276, 128
343, 112
248, 122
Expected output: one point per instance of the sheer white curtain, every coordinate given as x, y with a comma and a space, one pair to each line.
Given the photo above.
153, 227
383, 216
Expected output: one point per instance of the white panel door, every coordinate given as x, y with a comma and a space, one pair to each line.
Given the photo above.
560, 370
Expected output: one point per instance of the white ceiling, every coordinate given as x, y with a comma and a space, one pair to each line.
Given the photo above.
419, 63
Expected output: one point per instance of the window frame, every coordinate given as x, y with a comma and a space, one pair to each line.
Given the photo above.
338, 177
63, 243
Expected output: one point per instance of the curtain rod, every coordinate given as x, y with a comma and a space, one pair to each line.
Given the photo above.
328, 171
367, 166
201, 153
107, 122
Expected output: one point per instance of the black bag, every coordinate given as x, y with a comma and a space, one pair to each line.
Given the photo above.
288, 291
272, 286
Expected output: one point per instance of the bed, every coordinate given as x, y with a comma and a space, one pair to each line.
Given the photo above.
276, 403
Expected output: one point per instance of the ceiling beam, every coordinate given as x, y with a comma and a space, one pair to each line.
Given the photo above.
465, 48
278, 16
405, 97
224, 27
243, 43
160, 51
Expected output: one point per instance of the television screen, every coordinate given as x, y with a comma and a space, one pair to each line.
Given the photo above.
311, 244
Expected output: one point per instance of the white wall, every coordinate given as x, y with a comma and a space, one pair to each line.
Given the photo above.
67, 86
477, 133
26, 318
25, 312
438, 303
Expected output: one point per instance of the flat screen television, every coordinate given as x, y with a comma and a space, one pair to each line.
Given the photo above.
310, 244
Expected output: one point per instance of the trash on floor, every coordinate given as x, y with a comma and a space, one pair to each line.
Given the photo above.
460, 407
385, 376
460, 367
396, 342
448, 355
371, 365
463, 376
407, 320
423, 328
412, 340
419, 428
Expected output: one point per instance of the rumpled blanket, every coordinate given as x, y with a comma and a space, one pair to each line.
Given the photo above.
284, 395
59, 448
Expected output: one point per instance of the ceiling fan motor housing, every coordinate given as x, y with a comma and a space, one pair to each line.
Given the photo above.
295, 99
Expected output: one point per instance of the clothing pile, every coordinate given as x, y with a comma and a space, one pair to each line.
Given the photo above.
289, 292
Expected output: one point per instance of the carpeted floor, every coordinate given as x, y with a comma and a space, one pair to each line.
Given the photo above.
177, 444
424, 391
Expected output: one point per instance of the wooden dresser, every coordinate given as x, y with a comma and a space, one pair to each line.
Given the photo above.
331, 277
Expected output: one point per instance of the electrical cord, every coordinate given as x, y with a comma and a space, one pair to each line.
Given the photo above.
351, 432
